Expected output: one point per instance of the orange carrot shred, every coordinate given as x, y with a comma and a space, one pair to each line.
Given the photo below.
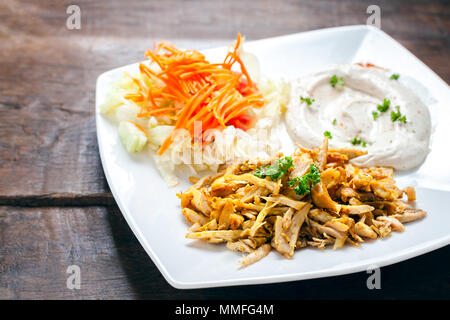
183, 86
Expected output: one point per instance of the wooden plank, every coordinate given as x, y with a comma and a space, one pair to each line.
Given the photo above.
37, 245
47, 80
58, 199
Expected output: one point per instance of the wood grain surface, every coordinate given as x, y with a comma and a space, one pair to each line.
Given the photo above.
39, 244
55, 206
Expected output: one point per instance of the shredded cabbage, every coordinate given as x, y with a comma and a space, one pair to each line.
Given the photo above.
225, 145
133, 138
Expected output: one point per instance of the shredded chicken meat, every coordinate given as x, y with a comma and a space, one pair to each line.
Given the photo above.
253, 214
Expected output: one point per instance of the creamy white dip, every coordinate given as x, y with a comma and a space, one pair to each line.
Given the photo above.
346, 113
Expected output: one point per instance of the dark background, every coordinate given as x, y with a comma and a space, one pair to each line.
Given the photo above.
55, 206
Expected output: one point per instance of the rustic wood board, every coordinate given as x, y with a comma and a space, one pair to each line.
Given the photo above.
48, 73
49, 155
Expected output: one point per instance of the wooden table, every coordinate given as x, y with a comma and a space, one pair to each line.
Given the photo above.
56, 209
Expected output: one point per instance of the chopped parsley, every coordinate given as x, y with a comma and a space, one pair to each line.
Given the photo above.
334, 122
374, 115
395, 76
357, 141
385, 106
397, 116
328, 134
336, 81
302, 185
275, 171
309, 101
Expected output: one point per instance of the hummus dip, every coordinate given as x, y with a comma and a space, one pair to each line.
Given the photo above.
364, 108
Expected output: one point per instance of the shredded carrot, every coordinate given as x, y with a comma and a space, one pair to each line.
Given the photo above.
368, 65
187, 88
158, 111
139, 127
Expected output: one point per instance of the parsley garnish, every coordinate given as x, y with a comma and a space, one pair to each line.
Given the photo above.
385, 106
334, 122
275, 171
396, 115
395, 76
357, 141
309, 101
328, 134
302, 185
374, 115
336, 81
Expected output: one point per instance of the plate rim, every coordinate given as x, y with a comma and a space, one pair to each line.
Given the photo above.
397, 256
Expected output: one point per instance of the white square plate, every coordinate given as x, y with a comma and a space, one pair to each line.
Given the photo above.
153, 211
